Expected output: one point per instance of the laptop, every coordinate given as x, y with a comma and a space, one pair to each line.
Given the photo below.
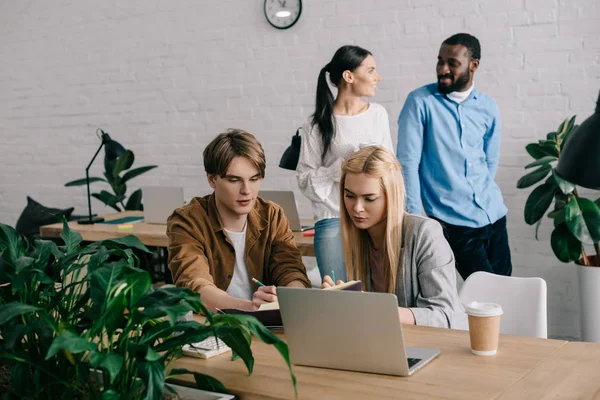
355, 331
160, 202
285, 199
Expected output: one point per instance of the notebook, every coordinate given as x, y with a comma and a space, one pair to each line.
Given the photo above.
269, 315
286, 200
160, 202
348, 330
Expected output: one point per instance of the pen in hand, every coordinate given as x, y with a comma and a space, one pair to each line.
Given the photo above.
333, 276
259, 283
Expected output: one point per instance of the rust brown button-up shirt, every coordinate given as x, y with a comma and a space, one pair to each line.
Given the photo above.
200, 253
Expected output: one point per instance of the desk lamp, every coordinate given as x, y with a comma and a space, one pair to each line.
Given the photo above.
579, 161
112, 150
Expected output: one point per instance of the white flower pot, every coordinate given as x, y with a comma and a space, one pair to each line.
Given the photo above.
589, 300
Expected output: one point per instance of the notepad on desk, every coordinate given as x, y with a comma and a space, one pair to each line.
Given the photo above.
350, 285
268, 313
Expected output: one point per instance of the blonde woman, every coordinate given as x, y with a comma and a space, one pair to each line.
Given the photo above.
390, 250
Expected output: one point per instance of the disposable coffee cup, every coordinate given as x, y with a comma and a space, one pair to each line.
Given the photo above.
484, 327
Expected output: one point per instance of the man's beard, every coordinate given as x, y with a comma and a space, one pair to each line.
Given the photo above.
461, 83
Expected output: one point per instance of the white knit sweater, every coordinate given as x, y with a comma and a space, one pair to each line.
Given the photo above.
320, 181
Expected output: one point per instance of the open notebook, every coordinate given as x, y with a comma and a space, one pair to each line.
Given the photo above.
268, 314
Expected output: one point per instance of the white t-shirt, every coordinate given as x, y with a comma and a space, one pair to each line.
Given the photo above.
239, 286
320, 180
459, 97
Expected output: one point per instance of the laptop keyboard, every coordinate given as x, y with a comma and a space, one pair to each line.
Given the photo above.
412, 361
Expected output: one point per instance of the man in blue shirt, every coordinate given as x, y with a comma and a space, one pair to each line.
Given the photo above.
449, 146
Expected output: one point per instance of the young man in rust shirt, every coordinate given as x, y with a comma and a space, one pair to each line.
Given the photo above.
219, 242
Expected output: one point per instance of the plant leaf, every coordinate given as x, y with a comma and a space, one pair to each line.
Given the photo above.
135, 201
71, 238
534, 177
565, 128
110, 395
538, 203
565, 186
203, 382
239, 345
11, 242
583, 219
136, 171
128, 241
13, 309
170, 301
551, 136
69, 342
109, 362
82, 181
123, 163
153, 375
542, 161
109, 199
267, 337
565, 246
535, 151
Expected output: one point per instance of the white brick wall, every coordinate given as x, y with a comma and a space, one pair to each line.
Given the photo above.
164, 77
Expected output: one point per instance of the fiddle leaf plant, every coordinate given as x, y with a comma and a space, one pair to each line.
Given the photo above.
576, 219
83, 321
118, 182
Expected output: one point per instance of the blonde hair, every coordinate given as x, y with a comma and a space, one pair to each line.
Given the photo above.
376, 162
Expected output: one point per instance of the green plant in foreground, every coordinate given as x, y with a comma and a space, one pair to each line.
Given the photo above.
576, 219
102, 331
118, 183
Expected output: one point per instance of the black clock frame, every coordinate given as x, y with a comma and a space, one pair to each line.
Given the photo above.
282, 27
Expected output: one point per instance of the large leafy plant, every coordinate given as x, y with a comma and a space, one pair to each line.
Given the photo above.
576, 219
78, 320
118, 183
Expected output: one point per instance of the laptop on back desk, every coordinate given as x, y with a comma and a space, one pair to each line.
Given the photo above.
160, 202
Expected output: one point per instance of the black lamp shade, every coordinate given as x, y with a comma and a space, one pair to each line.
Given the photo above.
579, 161
113, 150
289, 159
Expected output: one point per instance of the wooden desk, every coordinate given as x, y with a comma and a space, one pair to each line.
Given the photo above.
454, 374
149, 234
572, 372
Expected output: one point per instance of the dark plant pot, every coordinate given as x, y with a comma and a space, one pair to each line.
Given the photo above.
594, 261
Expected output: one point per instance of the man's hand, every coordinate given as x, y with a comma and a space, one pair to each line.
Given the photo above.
264, 294
328, 282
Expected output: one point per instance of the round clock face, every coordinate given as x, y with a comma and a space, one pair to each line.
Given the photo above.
283, 14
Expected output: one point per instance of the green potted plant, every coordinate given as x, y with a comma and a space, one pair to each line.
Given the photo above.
84, 322
576, 219
118, 183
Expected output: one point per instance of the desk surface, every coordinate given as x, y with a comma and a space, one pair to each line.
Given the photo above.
572, 372
149, 234
455, 374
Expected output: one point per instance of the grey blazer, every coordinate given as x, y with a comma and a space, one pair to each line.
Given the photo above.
427, 283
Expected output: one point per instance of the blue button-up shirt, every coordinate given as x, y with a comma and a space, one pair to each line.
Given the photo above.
449, 154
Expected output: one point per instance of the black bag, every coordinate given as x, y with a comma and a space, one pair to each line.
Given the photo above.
289, 159
35, 215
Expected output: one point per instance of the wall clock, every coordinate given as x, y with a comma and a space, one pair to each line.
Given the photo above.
283, 14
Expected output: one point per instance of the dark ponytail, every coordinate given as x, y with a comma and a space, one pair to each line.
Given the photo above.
346, 58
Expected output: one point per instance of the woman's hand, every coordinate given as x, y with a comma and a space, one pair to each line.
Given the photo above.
328, 282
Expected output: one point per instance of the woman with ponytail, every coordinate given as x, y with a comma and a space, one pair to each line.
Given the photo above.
392, 251
339, 126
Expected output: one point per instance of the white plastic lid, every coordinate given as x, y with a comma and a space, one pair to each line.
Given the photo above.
478, 309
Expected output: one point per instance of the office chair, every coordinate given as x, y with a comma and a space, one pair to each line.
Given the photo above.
523, 301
